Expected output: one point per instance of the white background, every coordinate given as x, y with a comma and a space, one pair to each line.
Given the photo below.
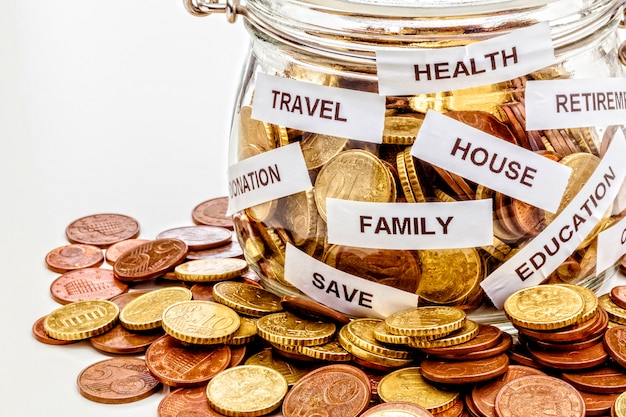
117, 106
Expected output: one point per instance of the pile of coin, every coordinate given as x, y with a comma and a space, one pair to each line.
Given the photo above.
387, 172
206, 333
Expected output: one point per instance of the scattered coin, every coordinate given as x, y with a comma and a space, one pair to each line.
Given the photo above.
213, 213
75, 256
86, 284
102, 229
199, 237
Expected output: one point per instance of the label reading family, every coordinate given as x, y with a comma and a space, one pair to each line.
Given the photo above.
558, 104
493, 162
265, 177
404, 71
320, 109
436, 225
344, 292
541, 256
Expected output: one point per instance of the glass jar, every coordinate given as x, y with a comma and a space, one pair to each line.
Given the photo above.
385, 200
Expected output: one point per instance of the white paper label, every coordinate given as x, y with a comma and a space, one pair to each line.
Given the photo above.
556, 104
344, 292
493, 162
535, 261
320, 109
404, 71
611, 246
268, 176
462, 224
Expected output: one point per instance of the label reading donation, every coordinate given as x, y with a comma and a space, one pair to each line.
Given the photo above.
265, 177
320, 109
346, 293
404, 71
541, 256
493, 162
462, 224
557, 104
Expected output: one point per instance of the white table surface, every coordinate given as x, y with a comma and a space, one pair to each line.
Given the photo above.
118, 106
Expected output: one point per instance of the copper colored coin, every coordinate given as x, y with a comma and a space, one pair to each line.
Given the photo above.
75, 256
150, 260
213, 213
199, 237
117, 381
457, 410
618, 295
40, 334
464, 372
182, 402
615, 344
539, 396
598, 404
402, 409
102, 230
503, 346
116, 250
484, 121
119, 340
331, 390
237, 355
567, 347
180, 365
603, 380
488, 336
484, 395
86, 284
574, 333
202, 292
562, 360
305, 307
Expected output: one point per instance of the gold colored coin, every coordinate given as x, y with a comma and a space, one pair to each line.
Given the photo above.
361, 332
246, 299
367, 356
211, 269
254, 132
81, 319
544, 307
285, 328
618, 408
616, 313
383, 335
355, 175
246, 391
436, 321
409, 385
146, 311
401, 130
464, 334
590, 298
414, 179
449, 275
291, 370
200, 322
246, 332
318, 149
253, 249
298, 213
403, 175
331, 351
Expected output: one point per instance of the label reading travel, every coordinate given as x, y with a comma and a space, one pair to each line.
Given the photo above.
557, 104
541, 256
436, 225
491, 161
344, 292
265, 177
403, 71
320, 109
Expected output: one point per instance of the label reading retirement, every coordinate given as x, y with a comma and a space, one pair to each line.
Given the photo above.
462, 224
491, 161
347, 293
320, 109
541, 256
265, 177
404, 71
557, 104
